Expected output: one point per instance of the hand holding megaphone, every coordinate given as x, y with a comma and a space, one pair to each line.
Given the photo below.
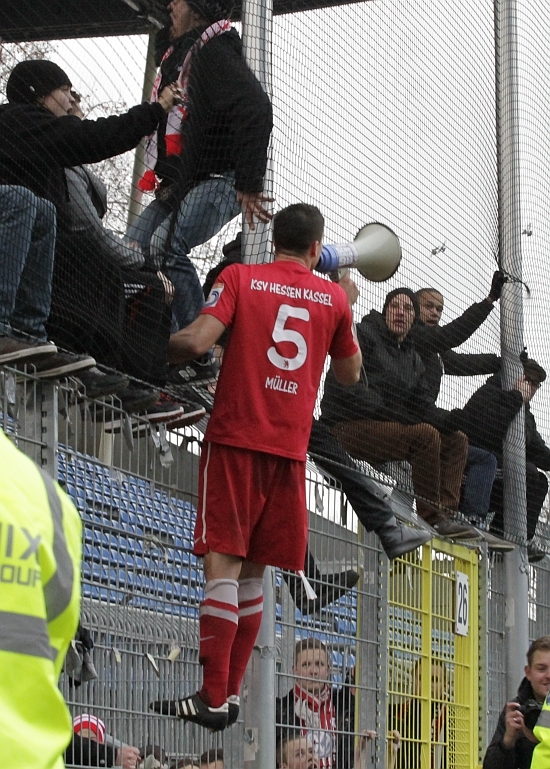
375, 252
349, 285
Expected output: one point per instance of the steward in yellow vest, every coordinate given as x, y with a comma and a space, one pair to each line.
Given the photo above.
40, 552
541, 754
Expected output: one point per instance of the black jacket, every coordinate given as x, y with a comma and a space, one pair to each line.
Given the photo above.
487, 415
86, 752
406, 718
435, 346
230, 117
518, 757
36, 146
397, 390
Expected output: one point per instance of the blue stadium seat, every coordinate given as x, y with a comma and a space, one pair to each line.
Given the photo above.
101, 593
118, 566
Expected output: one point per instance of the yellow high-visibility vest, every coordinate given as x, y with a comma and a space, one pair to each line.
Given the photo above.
541, 753
40, 553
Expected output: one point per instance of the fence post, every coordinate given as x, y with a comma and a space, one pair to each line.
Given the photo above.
483, 670
259, 684
48, 393
511, 327
257, 21
134, 207
259, 688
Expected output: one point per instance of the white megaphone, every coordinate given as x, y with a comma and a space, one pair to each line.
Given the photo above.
375, 252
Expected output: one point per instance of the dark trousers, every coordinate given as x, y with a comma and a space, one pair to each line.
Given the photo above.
437, 461
537, 488
116, 314
364, 495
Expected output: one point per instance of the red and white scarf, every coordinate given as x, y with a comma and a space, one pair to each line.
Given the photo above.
179, 113
316, 716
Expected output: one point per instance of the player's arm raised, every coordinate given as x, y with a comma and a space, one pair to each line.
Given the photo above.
348, 370
194, 340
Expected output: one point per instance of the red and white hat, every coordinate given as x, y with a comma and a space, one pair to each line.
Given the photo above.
93, 723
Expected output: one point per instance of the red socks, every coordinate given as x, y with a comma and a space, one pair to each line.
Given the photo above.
251, 603
218, 627
230, 618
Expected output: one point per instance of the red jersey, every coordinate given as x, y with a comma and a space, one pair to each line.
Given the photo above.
284, 321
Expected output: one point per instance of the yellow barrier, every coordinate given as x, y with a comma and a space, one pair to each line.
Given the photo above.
432, 713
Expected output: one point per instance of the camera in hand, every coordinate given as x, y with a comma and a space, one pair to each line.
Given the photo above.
531, 711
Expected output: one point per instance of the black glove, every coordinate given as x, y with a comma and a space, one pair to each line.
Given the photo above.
499, 279
523, 356
449, 421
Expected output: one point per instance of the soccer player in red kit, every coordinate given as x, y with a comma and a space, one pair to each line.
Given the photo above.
252, 510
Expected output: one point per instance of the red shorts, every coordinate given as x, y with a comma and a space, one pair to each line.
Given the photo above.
252, 505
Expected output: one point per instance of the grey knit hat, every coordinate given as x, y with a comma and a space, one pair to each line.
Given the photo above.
29, 80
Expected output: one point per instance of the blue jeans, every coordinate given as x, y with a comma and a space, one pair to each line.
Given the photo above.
202, 213
27, 246
480, 470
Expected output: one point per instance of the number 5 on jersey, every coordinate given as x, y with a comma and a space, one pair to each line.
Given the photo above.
282, 334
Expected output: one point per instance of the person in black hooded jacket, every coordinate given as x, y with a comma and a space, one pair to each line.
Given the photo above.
393, 417
485, 419
39, 138
207, 161
435, 344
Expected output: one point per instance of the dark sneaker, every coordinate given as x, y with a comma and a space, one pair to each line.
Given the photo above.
338, 584
193, 709
450, 528
18, 351
164, 410
62, 364
496, 544
329, 589
98, 383
133, 400
201, 371
194, 393
233, 704
192, 413
136, 399
398, 539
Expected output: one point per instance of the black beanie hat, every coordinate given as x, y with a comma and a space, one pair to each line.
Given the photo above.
233, 251
29, 80
408, 292
212, 10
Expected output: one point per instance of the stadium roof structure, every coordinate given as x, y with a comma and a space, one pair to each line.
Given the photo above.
26, 20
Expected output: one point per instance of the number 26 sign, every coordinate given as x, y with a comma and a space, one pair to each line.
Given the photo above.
462, 603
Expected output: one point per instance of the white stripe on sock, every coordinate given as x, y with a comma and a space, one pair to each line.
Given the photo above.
214, 611
251, 610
